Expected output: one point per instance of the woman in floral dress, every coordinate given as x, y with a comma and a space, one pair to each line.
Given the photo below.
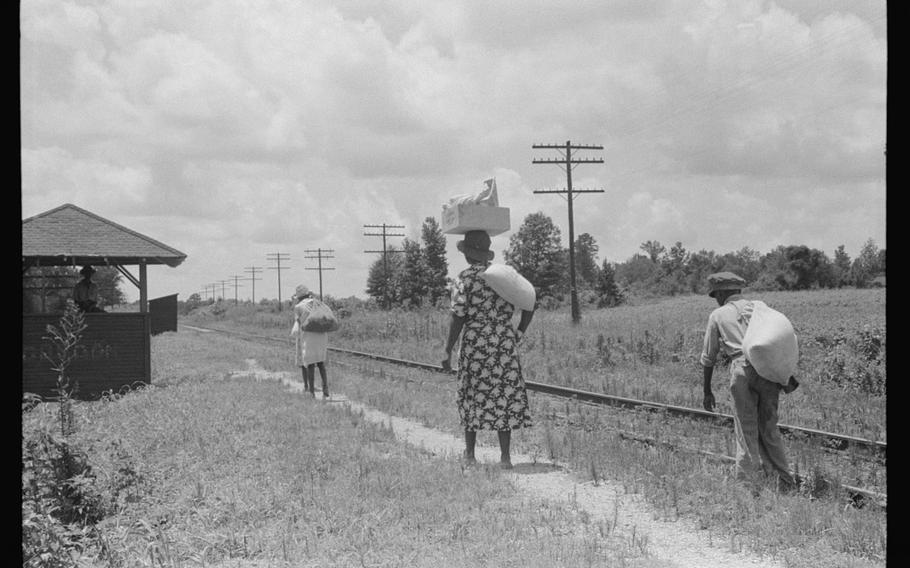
491, 391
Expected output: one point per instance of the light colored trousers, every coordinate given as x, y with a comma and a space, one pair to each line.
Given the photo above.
759, 446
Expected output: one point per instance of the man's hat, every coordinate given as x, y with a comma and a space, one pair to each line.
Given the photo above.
476, 246
87, 270
725, 281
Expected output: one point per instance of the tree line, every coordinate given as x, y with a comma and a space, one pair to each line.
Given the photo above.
415, 274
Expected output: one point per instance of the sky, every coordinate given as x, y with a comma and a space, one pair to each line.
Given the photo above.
241, 132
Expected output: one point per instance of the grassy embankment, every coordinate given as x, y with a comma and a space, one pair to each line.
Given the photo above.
650, 352
202, 470
206, 470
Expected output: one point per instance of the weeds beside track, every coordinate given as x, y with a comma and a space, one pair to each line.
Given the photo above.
846, 447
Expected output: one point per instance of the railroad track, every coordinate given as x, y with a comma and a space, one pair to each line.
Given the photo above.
828, 440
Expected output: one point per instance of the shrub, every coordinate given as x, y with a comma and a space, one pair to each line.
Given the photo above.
856, 361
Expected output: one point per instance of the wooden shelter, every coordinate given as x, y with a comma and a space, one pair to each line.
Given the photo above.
115, 348
163, 312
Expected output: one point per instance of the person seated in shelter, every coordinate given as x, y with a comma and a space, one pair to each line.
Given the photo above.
85, 293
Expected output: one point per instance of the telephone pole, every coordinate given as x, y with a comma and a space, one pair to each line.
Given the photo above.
236, 278
385, 252
567, 162
223, 282
252, 270
278, 257
319, 255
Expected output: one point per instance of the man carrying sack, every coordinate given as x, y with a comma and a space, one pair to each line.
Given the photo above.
759, 446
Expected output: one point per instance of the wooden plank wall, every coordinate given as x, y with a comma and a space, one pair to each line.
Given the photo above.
113, 353
164, 314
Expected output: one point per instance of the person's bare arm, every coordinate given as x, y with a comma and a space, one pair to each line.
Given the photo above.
526, 317
455, 326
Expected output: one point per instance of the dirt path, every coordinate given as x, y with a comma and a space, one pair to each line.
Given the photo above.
678, 543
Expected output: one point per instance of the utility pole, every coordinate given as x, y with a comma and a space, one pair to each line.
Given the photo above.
223, 282
385, 252
236, 278
567, 163
214, 296
252, 270
319, 255
278, 257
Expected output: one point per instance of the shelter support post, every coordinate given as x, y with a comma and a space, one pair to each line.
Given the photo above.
143, 288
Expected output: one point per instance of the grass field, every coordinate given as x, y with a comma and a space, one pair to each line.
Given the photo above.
651, 351
205, 470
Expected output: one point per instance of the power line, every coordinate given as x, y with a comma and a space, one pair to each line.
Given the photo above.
236, 279
212, 286
319, 255
567, 163
223, 282
278, 257
385, 252
252, 278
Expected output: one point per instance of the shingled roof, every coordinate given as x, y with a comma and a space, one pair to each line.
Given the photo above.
69, 235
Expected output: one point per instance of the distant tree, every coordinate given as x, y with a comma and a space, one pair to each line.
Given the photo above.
108, 280
535, 251
674, 271
773, 274
412, 282
434, 252
653, 249
639, 273
795, 267
192, 302
867, 265
586, 270
812, 267
675, 259
701, 264
382, 282
746, 262
608, 292
840, 269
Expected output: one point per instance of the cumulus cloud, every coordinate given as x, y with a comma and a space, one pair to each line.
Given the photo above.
291, 124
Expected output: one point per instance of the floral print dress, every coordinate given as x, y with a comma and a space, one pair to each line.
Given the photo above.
491, 392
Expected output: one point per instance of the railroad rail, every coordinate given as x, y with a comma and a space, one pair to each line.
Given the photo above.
828, 440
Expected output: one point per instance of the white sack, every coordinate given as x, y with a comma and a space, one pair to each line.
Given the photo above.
770, 344
512, 286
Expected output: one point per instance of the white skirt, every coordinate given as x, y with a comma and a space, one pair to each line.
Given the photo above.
311, 347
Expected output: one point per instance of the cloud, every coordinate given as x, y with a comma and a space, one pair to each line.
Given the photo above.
61, 178
286, 125
650, 218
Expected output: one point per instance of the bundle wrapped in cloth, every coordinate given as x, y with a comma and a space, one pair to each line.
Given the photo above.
480, 212
317, 316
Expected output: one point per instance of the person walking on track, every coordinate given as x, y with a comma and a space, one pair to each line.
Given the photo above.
311, 346
759, 447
